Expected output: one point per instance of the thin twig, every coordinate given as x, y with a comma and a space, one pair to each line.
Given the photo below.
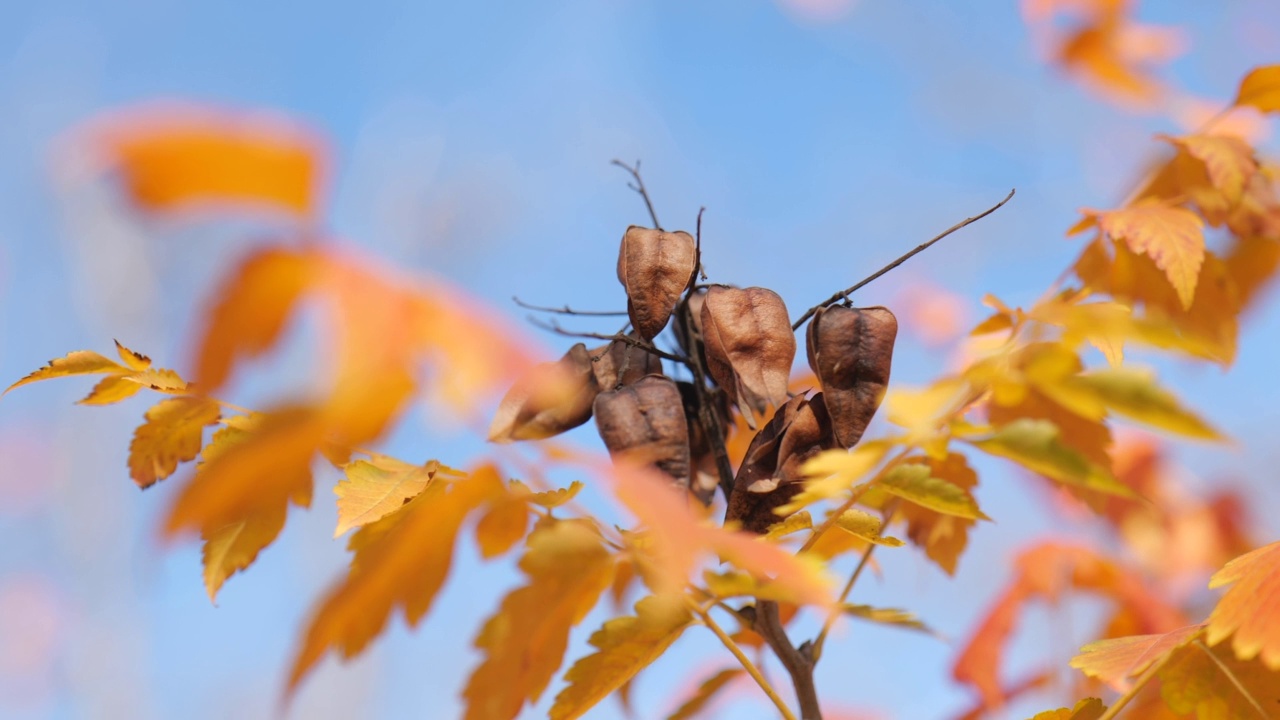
835, 612
648, 347
746, 663
701, 271
798, 663
566, 310
844, 294
639, 187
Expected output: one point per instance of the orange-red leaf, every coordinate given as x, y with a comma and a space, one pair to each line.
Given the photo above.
171, 435
1250, 609
401, 561
568, 568
1171, 236
178, 155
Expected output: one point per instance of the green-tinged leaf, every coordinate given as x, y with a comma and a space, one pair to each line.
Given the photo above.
1135, 393
915, 482
866, 526
888, 616
1036, 445
791, 524
79, 362
706, 691
834, 472
624, 647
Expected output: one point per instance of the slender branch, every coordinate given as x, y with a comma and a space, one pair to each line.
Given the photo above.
798, 662
638, 186
844, 294
746, 663
701, 272
648, 347
566, 310
834, 613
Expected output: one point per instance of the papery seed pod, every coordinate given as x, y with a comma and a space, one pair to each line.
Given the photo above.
851, 351
689, 318
615, 356
750, 345
655, 268
704, 472
645, 421
552, 398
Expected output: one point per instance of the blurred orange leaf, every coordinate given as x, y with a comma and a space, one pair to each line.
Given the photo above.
175, 155
1228, 160
1250, 609
171, 435
705, 692
1173, 237
524, 642
1261, 89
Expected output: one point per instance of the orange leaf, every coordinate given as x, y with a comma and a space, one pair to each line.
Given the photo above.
80, 362
1261, 89
111, 389
1251, 608
943, 537
1171, 236
503, 525
706, 691
524, 641
177, 155
171, 435
401, 560
1228, 160
1116, 660
374, 488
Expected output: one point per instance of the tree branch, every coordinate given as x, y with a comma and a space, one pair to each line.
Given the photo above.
798, 662
919, 249
552, 326
566, 310
638, 186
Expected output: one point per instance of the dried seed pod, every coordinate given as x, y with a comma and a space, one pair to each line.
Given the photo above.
552, 398
645, 420
767, 478
655, 268
750, 345
851, 351
619, 355
704, 475
689, 317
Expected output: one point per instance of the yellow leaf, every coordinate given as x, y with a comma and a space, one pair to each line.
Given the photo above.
624, 647
915, 482
943, 537
1216, 685
402, 563
1228, 160
111, 389
793, 523
234, 547
1037, 446
1251, 608
706, 691
1173, 237
866, 526
524, 641
1134, 393
1087, 709
555, 498
373, 488
135, 360
80, 362
171, 435
160, 380
888, 616
1261, 89
834, 472
502, 525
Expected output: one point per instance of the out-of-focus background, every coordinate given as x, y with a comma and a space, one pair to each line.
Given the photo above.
472, 141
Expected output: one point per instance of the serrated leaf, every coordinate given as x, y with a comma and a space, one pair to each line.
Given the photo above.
791, 524
1227, 159
706, 691
555, 498
79, 362
916, 482
401, 561
1249, 612
135, 360
1037, 446
1171, 236
171, 435
1261, 89
524, 642
943, 537
624, 647
1135, 393
373, 488
232, 548
160, 380
864, 525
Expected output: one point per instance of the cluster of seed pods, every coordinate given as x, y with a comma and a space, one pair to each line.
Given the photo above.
740, 341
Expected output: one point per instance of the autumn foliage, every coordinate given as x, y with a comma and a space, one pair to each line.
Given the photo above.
743, 474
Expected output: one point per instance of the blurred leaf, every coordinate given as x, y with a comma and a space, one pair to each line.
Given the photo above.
1250, 609
1261, 89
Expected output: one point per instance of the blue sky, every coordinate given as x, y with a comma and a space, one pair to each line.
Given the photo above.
472, 141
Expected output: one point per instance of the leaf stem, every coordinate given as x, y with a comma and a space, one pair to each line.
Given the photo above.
746, 663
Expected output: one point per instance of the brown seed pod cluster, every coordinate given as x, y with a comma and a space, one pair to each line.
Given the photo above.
739, 348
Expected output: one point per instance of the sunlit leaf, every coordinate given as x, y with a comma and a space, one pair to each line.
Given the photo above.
1134, 393
943, 537
172, 434
866, 526
1087, 709
1249, 611
1171, 236
834, 472
1037, 446
375, 487
915, 482
624, 646
1261, 89
1228, 160
80, 362
524, 642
